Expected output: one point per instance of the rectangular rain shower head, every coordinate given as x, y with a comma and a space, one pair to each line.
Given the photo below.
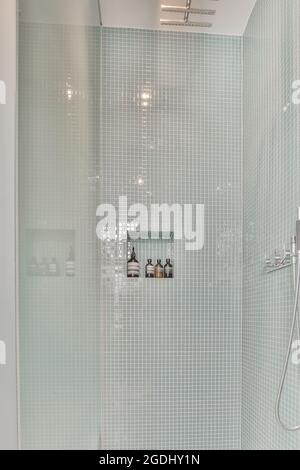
192, 11
199, 24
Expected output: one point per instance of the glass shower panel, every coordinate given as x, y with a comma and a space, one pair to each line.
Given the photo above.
59, 293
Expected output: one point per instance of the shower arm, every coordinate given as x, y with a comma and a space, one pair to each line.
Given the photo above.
187, 10
99, 12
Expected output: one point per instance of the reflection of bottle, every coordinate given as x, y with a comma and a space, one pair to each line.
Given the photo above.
43, 271
133, 266
70, 264
168, 269
33, 268
159, 270
149, 270
53, 268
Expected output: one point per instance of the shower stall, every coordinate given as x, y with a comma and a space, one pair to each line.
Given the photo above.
124, 107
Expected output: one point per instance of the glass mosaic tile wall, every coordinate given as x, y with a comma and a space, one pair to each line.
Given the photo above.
106, 361
59, 314
171, 121
271, 198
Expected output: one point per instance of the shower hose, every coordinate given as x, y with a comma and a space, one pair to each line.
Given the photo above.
295, 321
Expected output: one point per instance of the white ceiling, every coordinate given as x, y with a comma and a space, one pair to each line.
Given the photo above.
79, 12
231, 15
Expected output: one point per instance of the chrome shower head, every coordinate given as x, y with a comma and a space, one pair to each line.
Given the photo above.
199, 24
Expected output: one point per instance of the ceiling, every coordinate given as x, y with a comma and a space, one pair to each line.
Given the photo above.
78, 12
230, 19
231, 16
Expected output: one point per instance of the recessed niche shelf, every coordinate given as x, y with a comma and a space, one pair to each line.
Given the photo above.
151, 245
47, 252
135, 235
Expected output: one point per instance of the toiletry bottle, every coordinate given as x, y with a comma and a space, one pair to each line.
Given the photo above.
53, 267
159, 270
168, 269
33, 268
70, 263
149, 270
133, 266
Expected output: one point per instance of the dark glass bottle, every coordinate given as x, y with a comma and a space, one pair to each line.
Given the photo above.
149, 270
159, 270
133, 266
43, 267
168, 269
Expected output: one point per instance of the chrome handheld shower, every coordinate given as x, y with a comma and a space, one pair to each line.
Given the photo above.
295, 252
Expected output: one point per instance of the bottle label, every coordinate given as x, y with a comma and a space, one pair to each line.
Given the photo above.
133, 269
150, 269
159, 272
70, 268
168, 271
